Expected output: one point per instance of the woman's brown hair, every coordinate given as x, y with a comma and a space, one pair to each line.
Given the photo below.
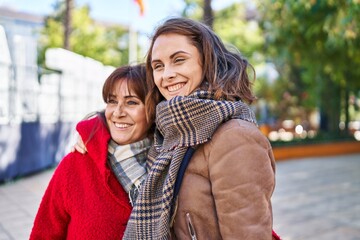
224, 71
135, 75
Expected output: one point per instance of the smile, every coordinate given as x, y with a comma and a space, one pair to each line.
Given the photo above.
122, 125
175, 87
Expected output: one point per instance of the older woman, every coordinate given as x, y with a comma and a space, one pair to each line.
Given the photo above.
89, 195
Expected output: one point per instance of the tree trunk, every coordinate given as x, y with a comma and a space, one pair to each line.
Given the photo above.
208, 17
67, 24
330, 108
347, 114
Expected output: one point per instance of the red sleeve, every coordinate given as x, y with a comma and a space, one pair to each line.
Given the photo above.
52, 218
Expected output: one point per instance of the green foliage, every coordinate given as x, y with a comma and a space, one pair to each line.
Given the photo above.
88, 38
193, 9
320, 36
232, 25
313, 44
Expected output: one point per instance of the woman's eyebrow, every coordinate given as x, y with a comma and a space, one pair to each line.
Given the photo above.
171, 56
131, 96
177, 52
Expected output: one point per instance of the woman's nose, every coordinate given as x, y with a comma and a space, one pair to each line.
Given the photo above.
119, 111
169, 73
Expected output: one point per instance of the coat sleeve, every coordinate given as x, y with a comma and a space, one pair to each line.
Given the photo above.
52, 219
242, 175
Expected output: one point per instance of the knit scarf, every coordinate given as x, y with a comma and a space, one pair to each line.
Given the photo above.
128, 163
181, 122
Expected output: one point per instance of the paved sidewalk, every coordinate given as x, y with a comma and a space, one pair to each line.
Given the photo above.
19, 201
315, 198
318, 198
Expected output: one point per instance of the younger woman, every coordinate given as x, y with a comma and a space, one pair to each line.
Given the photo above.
211, 170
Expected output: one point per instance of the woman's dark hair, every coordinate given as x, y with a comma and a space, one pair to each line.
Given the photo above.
134, 75
224, 72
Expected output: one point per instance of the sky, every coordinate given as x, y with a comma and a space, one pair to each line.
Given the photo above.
119, 11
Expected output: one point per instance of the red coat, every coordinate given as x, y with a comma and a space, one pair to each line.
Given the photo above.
84, 200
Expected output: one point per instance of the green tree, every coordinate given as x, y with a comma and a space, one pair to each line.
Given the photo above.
67, 23
208, 16
235, 28
314, 45
200, 10
100, 41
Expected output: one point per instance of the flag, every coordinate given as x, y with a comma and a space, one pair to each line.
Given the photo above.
141, 6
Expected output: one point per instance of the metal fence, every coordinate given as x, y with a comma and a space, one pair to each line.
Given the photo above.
66, 92
40, 107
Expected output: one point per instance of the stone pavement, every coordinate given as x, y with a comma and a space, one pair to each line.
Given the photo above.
315, 198
318, 198
19, 201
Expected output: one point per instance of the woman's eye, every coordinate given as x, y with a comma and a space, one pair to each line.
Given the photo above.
157, 66
112, 101
178, 60
131, 102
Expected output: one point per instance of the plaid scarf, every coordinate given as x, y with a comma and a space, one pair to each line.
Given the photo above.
181, 122
128, 163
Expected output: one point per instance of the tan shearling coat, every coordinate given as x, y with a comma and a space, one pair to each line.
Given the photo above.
227, 186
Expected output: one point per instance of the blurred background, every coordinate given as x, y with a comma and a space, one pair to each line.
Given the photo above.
55, 56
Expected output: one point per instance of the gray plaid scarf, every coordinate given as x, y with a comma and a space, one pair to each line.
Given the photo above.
128, 163
182, 122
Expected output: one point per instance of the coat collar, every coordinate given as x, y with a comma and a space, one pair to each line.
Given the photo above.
96, 136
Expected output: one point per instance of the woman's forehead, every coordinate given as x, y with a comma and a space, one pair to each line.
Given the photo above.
168, 44
121, 86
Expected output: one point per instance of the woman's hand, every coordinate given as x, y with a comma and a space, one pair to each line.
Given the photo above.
79, 146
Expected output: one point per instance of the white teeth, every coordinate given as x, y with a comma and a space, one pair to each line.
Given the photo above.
175, 87
122, 125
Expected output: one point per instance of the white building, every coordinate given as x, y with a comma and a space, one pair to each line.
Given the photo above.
18, 65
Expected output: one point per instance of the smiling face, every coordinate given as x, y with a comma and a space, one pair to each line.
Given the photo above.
125, 115
176, 64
